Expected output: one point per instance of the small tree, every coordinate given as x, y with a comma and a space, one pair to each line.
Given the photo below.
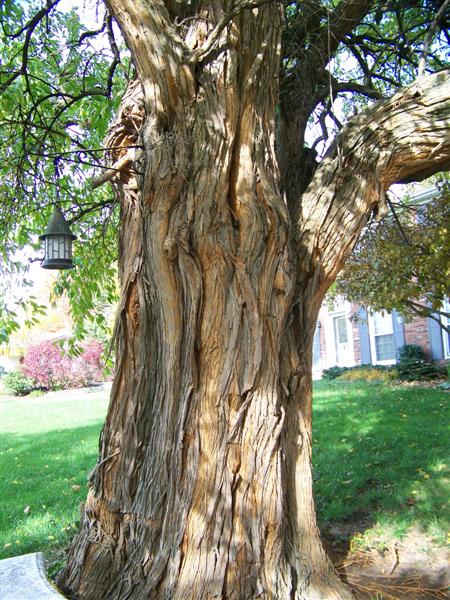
403, 261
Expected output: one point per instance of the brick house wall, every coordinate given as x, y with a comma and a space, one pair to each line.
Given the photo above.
417, 332
371, 339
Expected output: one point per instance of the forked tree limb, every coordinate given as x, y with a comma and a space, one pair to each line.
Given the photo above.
202, 53
405, 138
342, 20
159, 59
316, 55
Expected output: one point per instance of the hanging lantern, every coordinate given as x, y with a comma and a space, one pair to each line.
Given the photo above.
57, 242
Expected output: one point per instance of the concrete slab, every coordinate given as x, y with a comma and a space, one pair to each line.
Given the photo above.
24, 578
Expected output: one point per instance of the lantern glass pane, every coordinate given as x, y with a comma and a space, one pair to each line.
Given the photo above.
67, 248
55, 247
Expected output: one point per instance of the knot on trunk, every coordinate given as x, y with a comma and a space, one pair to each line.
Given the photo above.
171, 248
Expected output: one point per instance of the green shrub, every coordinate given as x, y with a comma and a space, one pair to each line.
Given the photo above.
410, 352
16, 383
413, 366
333, 372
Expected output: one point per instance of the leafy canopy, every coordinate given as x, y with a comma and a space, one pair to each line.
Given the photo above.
59, 91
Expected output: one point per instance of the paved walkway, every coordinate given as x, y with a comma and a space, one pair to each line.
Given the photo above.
24, 578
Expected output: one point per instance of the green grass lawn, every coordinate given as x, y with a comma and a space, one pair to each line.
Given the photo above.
379, 451
48, 446
382, 452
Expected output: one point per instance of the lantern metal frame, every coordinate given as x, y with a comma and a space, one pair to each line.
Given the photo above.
57, 240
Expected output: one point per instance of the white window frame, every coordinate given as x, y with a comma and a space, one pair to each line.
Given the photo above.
373, 348
336, 336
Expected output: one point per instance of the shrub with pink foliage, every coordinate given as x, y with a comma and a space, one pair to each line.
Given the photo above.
87, 367
45, 364
49, 367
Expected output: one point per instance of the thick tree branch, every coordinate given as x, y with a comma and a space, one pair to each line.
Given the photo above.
324, 42
111, 172
342, 20
327, 38
426, 311
308, 82
403, 138
203, 53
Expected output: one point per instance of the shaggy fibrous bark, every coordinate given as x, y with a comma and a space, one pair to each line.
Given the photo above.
203, 485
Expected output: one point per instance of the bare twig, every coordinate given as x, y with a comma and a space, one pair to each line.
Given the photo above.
116, 168
397, 221
429, 37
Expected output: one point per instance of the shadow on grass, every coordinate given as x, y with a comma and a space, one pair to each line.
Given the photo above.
44, 479
381, 456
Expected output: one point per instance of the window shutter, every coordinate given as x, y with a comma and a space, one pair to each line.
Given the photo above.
435, 332
364, 341
399, 330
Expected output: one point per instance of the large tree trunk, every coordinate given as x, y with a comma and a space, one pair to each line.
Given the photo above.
201, 491
203, 485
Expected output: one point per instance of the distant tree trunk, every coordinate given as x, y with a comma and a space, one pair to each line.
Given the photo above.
203, 486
